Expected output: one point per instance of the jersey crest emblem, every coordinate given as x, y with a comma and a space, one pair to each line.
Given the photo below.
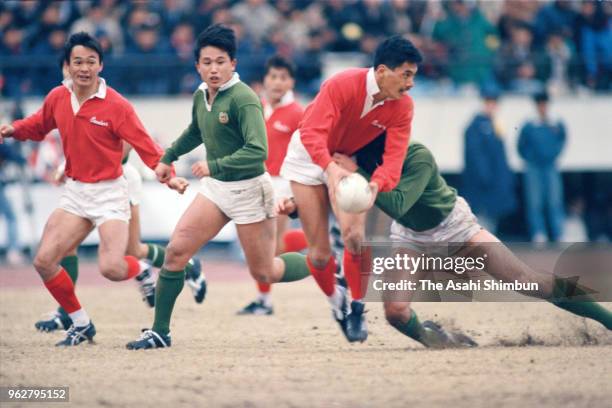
223, 118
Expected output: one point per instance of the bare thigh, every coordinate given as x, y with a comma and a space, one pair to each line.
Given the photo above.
257, 241
502, 264
63, 232
199, 224
313, 205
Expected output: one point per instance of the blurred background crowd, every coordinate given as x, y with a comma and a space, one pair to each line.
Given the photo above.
519, 46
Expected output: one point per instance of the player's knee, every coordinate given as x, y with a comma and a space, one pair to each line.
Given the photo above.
261, 275
112, 270
43, 264
175, 255
353, 237
319, 259
396, 313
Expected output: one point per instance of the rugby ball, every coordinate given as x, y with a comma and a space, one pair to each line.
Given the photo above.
353, 194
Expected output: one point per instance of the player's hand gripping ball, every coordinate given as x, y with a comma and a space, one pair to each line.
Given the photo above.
353, 194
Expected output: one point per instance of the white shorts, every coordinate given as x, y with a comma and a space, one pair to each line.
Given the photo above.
134, 180
457, 228
298, 165
282, 187
98, 202
244, 201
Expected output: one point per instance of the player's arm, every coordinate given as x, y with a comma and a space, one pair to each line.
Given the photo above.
400, 200
34, 127
132, 131
411, 185
187, 141
319, 119
255, 149
387, 175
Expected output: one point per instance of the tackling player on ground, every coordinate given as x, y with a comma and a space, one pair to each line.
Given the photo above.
428, 214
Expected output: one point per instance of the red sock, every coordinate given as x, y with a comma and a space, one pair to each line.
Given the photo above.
356, 272
62, 289
324, 277
264, 287
295, 240
133, 266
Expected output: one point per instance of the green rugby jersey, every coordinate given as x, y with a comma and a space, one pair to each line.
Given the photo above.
422, 199
232, 130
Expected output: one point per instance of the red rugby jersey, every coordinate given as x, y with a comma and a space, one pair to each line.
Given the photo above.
333, 123
281, 122
91, 138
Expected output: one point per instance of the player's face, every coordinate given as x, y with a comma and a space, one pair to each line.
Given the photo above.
394, 83
84, 66
215, 66
277, 83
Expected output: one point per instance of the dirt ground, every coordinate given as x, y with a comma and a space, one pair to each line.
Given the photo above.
530, 354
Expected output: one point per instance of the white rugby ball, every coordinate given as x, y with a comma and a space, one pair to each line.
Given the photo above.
353, 194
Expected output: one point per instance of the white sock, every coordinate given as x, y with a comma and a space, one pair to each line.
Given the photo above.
264, 298
79, 318
144, 265
336, 298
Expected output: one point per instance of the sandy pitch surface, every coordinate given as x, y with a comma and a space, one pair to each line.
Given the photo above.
531, 354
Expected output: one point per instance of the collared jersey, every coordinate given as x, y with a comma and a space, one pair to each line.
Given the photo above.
341, 119
232, 129
92, 136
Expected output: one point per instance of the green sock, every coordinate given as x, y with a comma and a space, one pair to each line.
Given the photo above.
412, 328
169, 285
156, 255
71, 265
295, 267
564, 290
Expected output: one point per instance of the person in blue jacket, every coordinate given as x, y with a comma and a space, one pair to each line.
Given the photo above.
541, 141
487, 180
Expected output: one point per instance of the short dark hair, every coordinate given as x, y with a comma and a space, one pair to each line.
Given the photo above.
84, 39
394, 51
540, 97
217, 35
280, 62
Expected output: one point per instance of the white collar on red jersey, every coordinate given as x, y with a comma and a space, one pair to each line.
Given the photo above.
74, 102
287, 99
371, 90
101, 93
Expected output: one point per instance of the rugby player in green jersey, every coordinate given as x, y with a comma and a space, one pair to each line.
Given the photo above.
227, 117
428, 213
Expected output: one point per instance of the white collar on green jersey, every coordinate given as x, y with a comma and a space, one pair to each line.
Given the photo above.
233, 81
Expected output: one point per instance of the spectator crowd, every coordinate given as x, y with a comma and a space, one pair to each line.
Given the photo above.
520, 46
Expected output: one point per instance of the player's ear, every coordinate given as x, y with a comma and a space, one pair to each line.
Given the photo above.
234, 62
